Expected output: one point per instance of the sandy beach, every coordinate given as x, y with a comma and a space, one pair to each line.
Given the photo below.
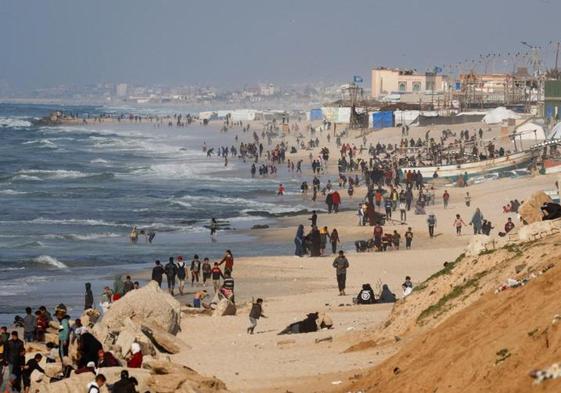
293, 287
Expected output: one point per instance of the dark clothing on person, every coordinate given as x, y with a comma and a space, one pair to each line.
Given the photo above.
315, 239
108, 361
256, 311
551, 211
88, 297
31, 366
88, 348
171, 273
366, 295
158, 274
387, 296
124, 385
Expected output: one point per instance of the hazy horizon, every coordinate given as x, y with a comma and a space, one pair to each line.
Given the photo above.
225, 43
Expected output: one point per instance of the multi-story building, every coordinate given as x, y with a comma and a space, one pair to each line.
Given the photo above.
392, 80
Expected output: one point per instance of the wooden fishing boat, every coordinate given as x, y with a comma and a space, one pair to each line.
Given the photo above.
478, 167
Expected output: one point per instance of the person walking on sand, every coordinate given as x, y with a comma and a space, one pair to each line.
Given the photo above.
195, 270
467, 199
158, 273
171, 273
216, 275
254, 315
206, 268
299, 241
228, 262
334, 239
324, 234
458, 224
445, 198
431, 222
477, 222
341, 264
181, 274
408, 238
402, 211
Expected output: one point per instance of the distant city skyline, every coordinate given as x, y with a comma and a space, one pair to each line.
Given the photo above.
235, 43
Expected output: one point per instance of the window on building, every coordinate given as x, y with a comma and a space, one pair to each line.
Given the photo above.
430, 85
402, 86
416, 87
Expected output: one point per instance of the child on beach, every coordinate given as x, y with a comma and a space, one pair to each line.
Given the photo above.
216, 276
255, 313
458, 223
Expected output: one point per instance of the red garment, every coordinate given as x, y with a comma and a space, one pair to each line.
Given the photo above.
336, 198
135, 361
378, 231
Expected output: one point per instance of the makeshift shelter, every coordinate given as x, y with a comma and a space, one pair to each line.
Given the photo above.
382, 120
530, 131
316, 114
498, 115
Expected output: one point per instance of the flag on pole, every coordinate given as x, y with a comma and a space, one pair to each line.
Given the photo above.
357, 79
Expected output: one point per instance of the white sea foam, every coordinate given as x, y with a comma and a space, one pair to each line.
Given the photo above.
73, 221
53, 174
13, 122
99, 161
12, 192
44, 143
89, 236
48, 260
27, 178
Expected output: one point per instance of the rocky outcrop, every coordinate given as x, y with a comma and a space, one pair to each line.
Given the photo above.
224, 307
530, 210
148, 304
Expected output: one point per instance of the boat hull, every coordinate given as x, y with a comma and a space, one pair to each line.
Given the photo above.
475, 168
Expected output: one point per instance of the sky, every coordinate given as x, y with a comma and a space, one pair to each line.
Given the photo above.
237, 42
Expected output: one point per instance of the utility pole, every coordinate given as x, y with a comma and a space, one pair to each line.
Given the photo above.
557, 58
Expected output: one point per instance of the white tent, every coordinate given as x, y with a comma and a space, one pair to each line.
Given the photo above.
530, 131
498, 115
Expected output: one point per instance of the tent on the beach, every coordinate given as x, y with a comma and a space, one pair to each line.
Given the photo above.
530, 131
498, 115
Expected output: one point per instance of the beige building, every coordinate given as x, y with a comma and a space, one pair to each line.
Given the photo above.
391, 80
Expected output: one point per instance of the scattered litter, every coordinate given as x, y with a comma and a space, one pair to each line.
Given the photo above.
336, 382
556, 319
512, 283
396, 370
320, 340
350, 328
502, 355
553, 372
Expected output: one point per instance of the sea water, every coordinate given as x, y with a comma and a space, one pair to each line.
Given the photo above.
69, 196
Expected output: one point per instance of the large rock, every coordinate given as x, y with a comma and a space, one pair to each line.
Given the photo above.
530, 210
168, 377
223, 308
537, 230
131, 333
77, 382
163, 341
148, 304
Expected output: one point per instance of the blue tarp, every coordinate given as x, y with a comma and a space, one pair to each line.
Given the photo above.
316, 114
382, 120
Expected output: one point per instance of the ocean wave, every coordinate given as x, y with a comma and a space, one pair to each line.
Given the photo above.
54, 174
75, 221
26, 178
14, 122
20, 286
12, 192
99, 161
45, 143
89, 236
50, 261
